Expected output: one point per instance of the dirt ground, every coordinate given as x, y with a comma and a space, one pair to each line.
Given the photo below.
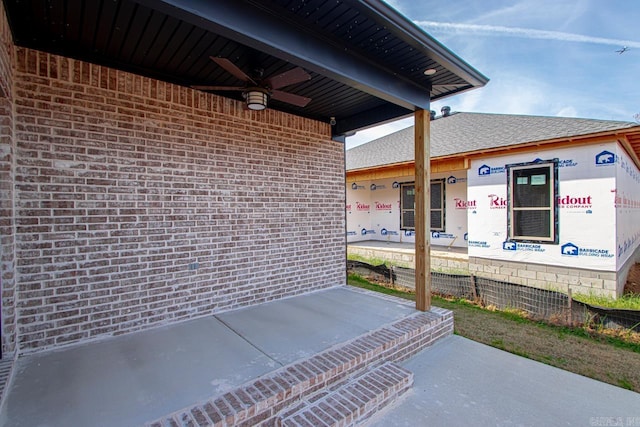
590, 353
591, 357
633, 280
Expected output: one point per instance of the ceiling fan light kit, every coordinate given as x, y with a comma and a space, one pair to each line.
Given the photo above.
257, 92
256, 98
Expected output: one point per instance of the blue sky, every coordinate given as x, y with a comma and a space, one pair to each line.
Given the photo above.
543, 57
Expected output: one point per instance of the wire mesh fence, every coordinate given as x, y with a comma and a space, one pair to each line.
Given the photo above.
536, 303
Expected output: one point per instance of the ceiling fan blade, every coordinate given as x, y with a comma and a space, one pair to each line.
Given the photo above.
290, 98
205, 87
232, 69
297, 75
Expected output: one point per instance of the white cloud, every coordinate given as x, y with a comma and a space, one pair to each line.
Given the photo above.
508, 94
568, 111
513, 94
523, 32
551, 13
521, 88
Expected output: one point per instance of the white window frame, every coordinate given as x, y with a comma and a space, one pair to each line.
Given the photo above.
437, 182
404, 209
442, 209
551, 235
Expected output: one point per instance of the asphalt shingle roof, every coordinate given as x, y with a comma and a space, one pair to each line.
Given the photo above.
468, 132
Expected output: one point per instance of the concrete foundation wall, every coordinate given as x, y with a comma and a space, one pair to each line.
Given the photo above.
391, 257
562, 279
440, 261
448, 265
139, 203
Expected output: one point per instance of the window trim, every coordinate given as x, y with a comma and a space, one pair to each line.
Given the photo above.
442, 209
554, 237
402, 209
443, 200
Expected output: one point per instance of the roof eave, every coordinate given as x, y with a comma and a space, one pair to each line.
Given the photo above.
381, 167
620, 135
268, 33
413, 33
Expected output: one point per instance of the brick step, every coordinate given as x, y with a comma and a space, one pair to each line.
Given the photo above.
353, 402
259, 401
6, 366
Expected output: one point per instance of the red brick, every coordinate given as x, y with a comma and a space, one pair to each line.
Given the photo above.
212, 412
143, 162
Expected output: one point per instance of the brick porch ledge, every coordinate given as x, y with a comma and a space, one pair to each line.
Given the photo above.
261, 401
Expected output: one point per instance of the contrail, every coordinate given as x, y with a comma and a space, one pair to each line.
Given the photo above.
524, 33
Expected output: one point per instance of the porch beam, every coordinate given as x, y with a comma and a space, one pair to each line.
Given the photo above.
422, 217
375, 116
257, 25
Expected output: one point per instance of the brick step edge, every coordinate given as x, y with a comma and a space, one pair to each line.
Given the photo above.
355, 401
6, 367
259, 401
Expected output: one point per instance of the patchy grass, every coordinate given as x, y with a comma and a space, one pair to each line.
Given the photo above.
377, 261
613, 358
368, 260
355, 280
627, 301
454, 271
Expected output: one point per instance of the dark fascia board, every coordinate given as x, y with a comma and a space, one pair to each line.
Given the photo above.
245, 24
414, 35
373, 117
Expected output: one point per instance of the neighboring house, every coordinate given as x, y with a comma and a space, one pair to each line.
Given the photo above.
132, 198
545, 201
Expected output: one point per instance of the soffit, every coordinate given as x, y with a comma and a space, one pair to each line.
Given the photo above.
366, 61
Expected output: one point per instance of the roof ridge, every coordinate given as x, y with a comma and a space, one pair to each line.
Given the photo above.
539, 117
465, 132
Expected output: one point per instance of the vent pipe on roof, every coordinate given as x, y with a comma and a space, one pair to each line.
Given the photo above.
446, 111
433, 114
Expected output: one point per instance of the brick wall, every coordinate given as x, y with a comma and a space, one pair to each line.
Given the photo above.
7, 230
6, 56
140, 203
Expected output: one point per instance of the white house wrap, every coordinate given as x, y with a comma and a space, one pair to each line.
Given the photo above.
543, 201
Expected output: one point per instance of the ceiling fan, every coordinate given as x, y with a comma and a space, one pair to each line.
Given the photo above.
257, 91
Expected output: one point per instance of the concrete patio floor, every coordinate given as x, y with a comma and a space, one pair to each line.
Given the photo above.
136, 378
460, 382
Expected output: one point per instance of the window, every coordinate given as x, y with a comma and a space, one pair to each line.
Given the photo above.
408, 205
437, 205
532, 201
